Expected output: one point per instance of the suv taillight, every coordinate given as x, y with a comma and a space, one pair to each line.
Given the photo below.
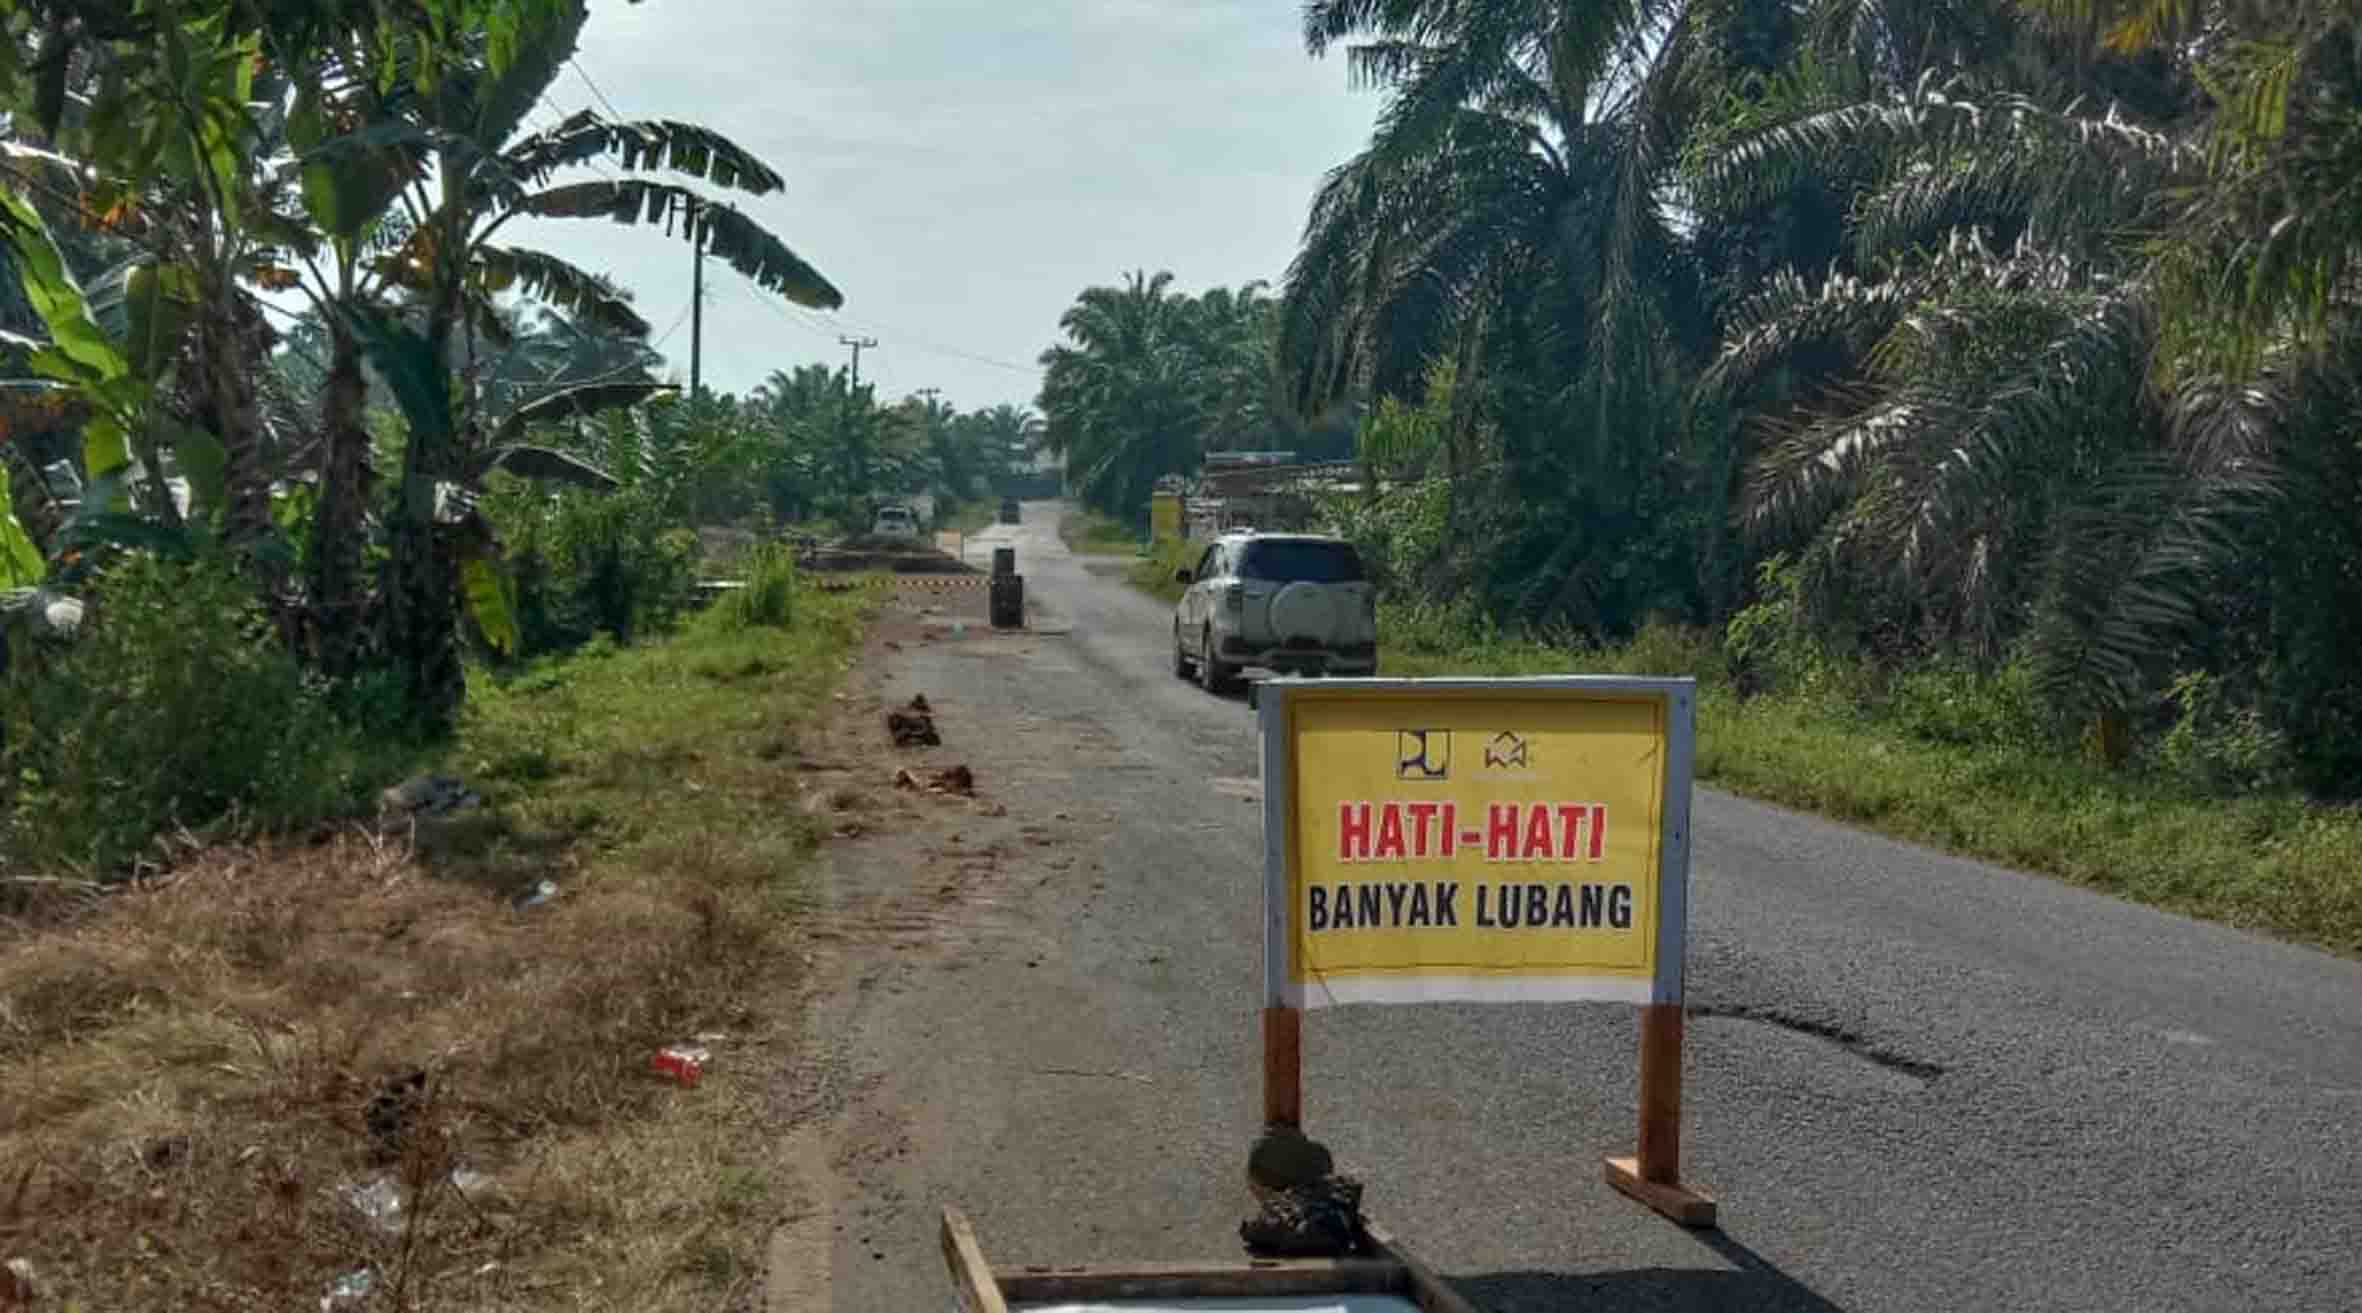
1235, 597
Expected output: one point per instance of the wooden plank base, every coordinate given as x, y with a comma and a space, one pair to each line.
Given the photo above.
1270, 1278
1679, 1202
1427, 1289
1392, 1270
971, 1276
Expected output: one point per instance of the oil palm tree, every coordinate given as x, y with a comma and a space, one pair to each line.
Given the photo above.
824, 436
1011, 433
1973, 427
1512, 213
1234, 335
1124, 396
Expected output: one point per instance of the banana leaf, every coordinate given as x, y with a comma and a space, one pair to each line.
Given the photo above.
20, 560
79, 350
490, 595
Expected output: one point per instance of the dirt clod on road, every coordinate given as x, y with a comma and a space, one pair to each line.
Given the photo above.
913, 725
955, 780
1321, 1219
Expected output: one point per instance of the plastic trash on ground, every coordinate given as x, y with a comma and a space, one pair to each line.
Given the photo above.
683, 1062
349, 1290
379, 1202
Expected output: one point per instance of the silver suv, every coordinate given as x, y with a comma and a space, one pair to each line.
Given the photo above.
1293, 603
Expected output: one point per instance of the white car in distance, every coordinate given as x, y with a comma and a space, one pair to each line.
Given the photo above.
894, 522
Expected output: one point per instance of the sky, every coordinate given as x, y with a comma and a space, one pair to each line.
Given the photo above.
960, 170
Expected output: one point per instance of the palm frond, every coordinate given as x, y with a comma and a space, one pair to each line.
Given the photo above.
1801, 479
2131, 575
638, 144
534, 42
1317, 339
2232, 426
1327, 22
1770, 327
2054, 176
559, 284
547, 465
730, 235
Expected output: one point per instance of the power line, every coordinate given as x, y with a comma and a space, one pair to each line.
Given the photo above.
678, 320
820, 328
582, 73
936, 348
911, 340
755, 294
958, 354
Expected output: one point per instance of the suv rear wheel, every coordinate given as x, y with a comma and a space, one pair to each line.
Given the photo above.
1212, 675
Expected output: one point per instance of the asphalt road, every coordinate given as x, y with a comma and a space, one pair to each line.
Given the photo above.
1914, 1082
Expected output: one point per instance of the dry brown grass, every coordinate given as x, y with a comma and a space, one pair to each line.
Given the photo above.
187, 1066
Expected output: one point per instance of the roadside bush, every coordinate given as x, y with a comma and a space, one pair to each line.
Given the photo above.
1669, 650
1771, 644
1956, 705
1153, 573
589, 563
1428, 625
768, 601
175, 705
1399, 533
2217, 746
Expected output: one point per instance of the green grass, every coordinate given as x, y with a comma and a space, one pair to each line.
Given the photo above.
569, 732
1088, 533
1153, 574
969, 516
2272, 862
659, 784
767, 597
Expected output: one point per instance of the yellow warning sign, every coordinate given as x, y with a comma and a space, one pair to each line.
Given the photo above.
1488, 840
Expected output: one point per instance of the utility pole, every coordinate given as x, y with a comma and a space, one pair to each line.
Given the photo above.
696, 300
857, 343
857, 444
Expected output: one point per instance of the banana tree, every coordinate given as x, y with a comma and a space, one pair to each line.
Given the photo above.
485, 176
164, 111
110, 380
487, 588
364, 159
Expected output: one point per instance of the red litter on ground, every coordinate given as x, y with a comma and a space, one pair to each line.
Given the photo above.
683, 1062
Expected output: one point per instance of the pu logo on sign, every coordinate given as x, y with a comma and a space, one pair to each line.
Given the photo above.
1507, 751
1423, 754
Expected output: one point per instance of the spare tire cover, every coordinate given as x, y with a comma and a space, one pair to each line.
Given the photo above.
1302, 610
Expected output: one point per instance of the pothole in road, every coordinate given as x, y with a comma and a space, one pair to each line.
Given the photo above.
1893, 1069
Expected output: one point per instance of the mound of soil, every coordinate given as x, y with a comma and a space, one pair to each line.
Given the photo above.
855, 555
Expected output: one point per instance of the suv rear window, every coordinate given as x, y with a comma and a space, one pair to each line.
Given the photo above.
1307, 562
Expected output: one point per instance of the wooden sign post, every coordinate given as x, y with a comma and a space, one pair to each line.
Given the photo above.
1653, 1175
1485, 840
1283, 1066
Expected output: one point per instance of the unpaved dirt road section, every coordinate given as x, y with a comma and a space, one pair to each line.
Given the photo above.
1916, 1083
